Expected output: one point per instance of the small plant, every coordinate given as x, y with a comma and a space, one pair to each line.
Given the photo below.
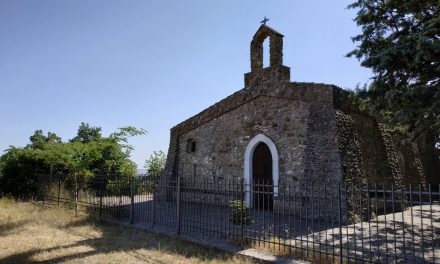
240, 213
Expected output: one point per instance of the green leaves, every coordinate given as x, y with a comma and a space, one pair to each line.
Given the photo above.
123, 134
87, 155
400, 42
87, 133
38, 139
156, 164
240, 213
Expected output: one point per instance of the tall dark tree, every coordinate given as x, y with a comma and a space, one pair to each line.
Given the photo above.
400, 42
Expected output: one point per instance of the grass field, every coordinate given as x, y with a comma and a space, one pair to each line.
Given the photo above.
31, 233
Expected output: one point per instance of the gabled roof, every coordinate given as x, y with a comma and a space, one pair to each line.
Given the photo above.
301, 91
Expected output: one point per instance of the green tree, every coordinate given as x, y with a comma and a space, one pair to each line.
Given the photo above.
97, 155
38, 139
19, 169
400, 42
87, 133
88, 155
155, 165
123, 134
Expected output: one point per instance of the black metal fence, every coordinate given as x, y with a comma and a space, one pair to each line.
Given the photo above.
328, 222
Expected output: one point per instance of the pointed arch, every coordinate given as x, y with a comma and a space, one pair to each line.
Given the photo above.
248, 165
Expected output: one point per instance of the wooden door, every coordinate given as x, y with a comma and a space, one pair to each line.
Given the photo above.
262, 178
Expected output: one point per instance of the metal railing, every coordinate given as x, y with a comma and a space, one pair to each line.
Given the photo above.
329, 222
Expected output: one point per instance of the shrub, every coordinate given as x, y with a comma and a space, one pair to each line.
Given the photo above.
240, 213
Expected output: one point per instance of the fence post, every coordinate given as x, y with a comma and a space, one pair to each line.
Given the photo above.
340, 222
43, 196
76, 200
132, 201
59, 190
178, 206
153, 220
242, 211
101, 190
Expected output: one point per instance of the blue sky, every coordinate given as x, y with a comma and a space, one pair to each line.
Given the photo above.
152, 64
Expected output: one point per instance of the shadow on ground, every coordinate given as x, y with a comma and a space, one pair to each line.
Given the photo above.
113, 238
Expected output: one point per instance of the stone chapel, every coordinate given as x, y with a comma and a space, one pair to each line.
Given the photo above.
275, 130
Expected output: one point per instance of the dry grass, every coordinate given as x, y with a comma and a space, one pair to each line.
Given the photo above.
32, 233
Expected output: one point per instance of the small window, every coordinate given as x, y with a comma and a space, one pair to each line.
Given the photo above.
191, 145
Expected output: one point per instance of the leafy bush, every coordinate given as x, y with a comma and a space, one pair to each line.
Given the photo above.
81, 159
240, 213
118, 187
155, 165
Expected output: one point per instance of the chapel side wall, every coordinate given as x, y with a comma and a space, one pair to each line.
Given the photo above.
378, 152
221, 142
298, 117
409, 160
304, 132
353, 173
173, 152
368, 156
379, 159
322, 160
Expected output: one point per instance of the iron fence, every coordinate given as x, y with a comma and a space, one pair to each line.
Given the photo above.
329, 222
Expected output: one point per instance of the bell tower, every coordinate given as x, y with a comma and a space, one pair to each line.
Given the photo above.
276, 72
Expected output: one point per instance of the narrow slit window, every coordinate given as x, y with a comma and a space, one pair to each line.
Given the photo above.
191, 146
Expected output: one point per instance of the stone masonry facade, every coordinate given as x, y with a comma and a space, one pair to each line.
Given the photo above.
319, 134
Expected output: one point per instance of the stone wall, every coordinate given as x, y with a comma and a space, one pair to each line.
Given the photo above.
306, 93
221, 142
377, 150
353, 172
322, 155
379, 156
352, 165
298, 117
409, 160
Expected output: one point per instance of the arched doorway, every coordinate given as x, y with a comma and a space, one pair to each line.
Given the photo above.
262, 181
268, 147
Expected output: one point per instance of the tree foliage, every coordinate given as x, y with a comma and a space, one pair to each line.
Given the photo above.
87, 155
87, 133
156, 164
400, 42
38, 139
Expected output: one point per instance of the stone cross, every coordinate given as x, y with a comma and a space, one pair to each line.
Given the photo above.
264, 20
